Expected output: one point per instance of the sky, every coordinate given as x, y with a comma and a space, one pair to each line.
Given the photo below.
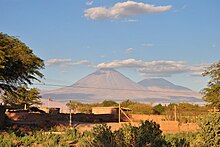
172, 39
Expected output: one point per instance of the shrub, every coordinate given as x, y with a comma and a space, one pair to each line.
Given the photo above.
181, 139
148, 134
158, 109
102, 136
126, 135
209, 133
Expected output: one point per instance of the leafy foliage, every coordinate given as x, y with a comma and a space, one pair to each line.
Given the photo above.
102, 136
126, 135
137, 107
21, 97
182, 139
108, 103
158, 109
18, 65
212, 93
209, 133
147, 134
40, 138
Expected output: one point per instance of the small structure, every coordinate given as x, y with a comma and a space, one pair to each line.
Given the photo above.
108, 110
51, 110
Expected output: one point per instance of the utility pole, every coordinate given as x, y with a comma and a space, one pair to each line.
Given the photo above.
119, 113
175, 112
70, 122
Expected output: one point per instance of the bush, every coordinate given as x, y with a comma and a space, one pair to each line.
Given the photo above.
148, 134
158, 109
181, 139
126, 135
102, 136
209, 133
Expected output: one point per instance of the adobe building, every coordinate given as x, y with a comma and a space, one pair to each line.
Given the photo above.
51, 110
109, 110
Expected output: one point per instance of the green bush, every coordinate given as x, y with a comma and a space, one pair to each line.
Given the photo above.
148, 134
102, 136
158, 109
39, 138
209, 133
126, 135
181, 139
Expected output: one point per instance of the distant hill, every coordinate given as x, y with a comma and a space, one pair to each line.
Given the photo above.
108, 78
109, 84
161, 83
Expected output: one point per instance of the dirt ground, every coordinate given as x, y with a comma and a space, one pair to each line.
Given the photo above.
87, 121
166, 126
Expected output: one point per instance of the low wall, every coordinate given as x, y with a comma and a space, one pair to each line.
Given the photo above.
166, 126
89, 120
143, 117
37, 118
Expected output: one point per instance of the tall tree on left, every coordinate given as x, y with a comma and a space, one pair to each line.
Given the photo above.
19, 66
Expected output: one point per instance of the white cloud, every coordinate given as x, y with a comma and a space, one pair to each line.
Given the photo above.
130, 49
147, 44
89, 3
58, 62
163, 68
155, 68
198, 69
81, 62
129, 63
131, 20
51, 62
123, 10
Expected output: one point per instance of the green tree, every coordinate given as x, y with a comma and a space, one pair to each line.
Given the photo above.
211, 94
74, 105
158, 109
148, 134
102, 136
108, 103
209, 133
19, 66
22, 97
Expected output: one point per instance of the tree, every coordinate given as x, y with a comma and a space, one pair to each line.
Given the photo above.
158, 109
108, 103
22, 97
212, 93
74, 105
148, 134
209, 133
18, 65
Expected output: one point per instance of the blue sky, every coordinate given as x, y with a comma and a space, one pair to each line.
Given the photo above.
141, 39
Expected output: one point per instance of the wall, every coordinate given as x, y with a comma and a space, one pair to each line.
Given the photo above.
139, 117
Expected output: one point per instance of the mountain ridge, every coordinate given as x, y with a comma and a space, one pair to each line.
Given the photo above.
112, 85
162, 83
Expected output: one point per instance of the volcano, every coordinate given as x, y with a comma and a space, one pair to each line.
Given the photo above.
109, 84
